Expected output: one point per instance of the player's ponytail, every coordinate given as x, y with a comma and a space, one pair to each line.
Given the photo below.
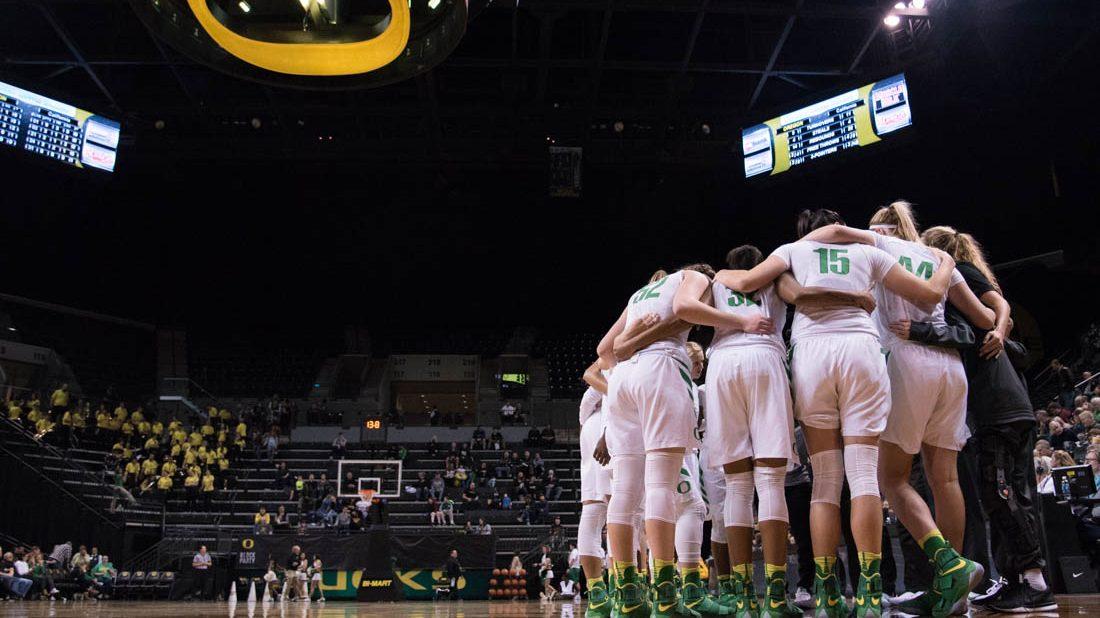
963, 247
657, 276
810, 220
700, 267
744, 257
898, 219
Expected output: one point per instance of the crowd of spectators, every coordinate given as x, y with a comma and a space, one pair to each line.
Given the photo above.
1068, 435
153, 455
475, 473
30, 573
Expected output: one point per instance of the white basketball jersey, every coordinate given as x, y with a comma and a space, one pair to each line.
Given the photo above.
657, 298
764, 302
851, 268
591, 402
918, 260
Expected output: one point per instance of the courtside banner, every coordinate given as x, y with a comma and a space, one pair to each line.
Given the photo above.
352, 552
376, 551
431, 552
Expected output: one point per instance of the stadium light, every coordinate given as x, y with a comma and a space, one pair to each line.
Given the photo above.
892, 20
245, 7
900, 6
917, 4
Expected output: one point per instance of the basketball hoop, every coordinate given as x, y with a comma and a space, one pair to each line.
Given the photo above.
366, 493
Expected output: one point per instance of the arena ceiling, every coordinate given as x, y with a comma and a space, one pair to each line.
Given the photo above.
682, 73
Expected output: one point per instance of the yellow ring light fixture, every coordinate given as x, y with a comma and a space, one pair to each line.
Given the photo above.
313, 58
311, 44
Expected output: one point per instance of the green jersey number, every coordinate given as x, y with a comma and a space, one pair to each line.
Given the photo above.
648, 291
924, 269
833, 261
738, 299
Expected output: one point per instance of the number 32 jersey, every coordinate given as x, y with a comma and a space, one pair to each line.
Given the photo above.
850, 268
657, 298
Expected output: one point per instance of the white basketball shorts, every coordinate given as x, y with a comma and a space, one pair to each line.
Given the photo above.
928, 393
840, 381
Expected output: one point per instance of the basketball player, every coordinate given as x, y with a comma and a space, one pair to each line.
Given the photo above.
928, 409
650, 425
595, 492
750, 425
841, 393
693, 509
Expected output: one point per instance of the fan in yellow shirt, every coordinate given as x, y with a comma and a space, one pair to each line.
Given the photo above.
144, 428
43, 426
242, 430
127, 428
224, 415
189, 458
169, 467
174, 424
137, 416
207, 429
33, 415
152, 443
195, 438
121, 413
164, 483
14, 411
179, 436
192, 479
131, 472
223, 464
158, 428
149, 467
80, 417
60, 398
67, 419
102, 418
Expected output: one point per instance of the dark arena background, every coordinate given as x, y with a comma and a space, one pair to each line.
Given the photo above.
273, 265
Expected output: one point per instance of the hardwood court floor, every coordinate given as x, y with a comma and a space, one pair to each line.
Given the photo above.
1077, 605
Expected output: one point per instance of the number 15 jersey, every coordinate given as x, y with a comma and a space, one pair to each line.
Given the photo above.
850, 268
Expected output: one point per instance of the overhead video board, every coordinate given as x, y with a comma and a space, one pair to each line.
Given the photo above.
849, 120
44, 127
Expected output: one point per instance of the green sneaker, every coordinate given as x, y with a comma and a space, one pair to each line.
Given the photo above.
747, 605
868, 600
665, 593
776, 604
828, 602
694, 596
726, 594
955, 578
630, 599
599, 601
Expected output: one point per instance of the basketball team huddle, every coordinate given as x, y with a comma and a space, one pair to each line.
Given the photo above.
874, 376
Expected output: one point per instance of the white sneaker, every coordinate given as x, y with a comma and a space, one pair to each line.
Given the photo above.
803, 599
54, 591
901, 598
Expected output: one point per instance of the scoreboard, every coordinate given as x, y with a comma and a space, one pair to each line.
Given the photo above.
44, 127
853, 119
